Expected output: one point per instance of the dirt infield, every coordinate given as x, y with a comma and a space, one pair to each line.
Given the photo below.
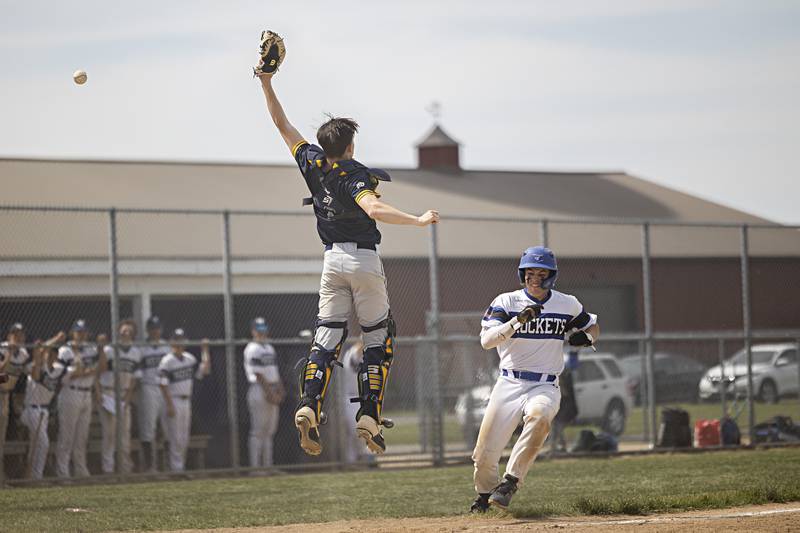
775, 517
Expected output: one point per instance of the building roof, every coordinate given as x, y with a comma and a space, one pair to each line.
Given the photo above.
437, 138
131, 184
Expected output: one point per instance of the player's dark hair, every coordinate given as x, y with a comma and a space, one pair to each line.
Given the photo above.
336, 135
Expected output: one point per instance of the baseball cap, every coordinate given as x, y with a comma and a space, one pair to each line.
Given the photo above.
259, 324
153, 322
79, 325
178, 335
16, 326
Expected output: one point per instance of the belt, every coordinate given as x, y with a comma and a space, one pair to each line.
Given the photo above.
182, 397
82, 389
530, 376
359, 246
36, 407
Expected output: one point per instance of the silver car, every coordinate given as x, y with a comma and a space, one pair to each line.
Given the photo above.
775, 374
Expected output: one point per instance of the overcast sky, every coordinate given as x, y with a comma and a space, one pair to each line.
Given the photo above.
697, 95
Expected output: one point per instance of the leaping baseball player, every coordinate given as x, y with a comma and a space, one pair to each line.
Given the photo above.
346, 204
528, 327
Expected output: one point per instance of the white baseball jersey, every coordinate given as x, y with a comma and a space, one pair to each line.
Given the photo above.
16, 365
89, 358
260, 358
178, 374
130, 360
40, 392
151, 357
538, 345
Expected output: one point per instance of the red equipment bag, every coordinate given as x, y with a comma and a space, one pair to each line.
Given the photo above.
706, 433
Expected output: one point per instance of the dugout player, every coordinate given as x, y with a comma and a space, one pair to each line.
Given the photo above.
347, 206
528, 327
265, 394
45, 372
13, 359
128, 358
82, 359
150, 408
178, 370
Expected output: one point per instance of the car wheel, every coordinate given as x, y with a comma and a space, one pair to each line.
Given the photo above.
614, 419
768, 393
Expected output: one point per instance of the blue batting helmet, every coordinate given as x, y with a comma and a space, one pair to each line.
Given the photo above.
539, 257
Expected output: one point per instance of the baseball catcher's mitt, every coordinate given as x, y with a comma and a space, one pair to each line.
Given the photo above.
272, 51
275, 393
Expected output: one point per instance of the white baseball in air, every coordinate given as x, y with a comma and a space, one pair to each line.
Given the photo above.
80, 77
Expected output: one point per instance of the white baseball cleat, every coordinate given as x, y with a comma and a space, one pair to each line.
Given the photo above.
369, 430
304, 420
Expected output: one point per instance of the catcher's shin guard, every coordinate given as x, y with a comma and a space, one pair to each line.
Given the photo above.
314, 381
373, 375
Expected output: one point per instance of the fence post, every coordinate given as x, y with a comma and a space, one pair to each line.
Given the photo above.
747, 331
114, 278
723, 384
648, 331
433, 331
230, 365
544, 232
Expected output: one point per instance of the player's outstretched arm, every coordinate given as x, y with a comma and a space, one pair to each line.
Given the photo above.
289, 133
383, 212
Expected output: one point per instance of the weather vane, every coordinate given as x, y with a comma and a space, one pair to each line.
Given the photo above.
435, 110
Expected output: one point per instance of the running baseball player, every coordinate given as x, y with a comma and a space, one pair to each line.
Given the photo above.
45, 372
150, 407
528, 328
128, 357
178, 370
82, 359
346, 205
13, 359
265, 394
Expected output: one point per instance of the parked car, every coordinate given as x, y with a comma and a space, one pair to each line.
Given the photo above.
601, 392
676, 376
775, 374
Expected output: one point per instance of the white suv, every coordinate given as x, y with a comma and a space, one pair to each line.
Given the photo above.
601, 390
775, 373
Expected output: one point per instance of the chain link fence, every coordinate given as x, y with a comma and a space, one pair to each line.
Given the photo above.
676, 303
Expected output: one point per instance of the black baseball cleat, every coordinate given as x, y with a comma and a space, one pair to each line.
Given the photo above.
501, 495
481, 503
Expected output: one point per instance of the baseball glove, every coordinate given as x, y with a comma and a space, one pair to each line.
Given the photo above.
275, 393
272, 51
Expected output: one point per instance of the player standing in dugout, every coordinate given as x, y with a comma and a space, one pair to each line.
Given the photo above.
346, 205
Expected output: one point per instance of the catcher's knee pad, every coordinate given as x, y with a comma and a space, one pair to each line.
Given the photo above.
317, 372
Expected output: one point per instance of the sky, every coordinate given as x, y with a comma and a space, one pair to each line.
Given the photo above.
700, 96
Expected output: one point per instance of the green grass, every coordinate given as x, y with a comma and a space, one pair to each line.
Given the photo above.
567, 487
407, 432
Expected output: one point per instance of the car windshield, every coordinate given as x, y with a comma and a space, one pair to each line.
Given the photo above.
760, 357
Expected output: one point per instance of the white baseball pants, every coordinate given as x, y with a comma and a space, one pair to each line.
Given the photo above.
108, 423
352, 277
263, 424
74, 416
513, 401
178, 428
36, 420
150, 411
